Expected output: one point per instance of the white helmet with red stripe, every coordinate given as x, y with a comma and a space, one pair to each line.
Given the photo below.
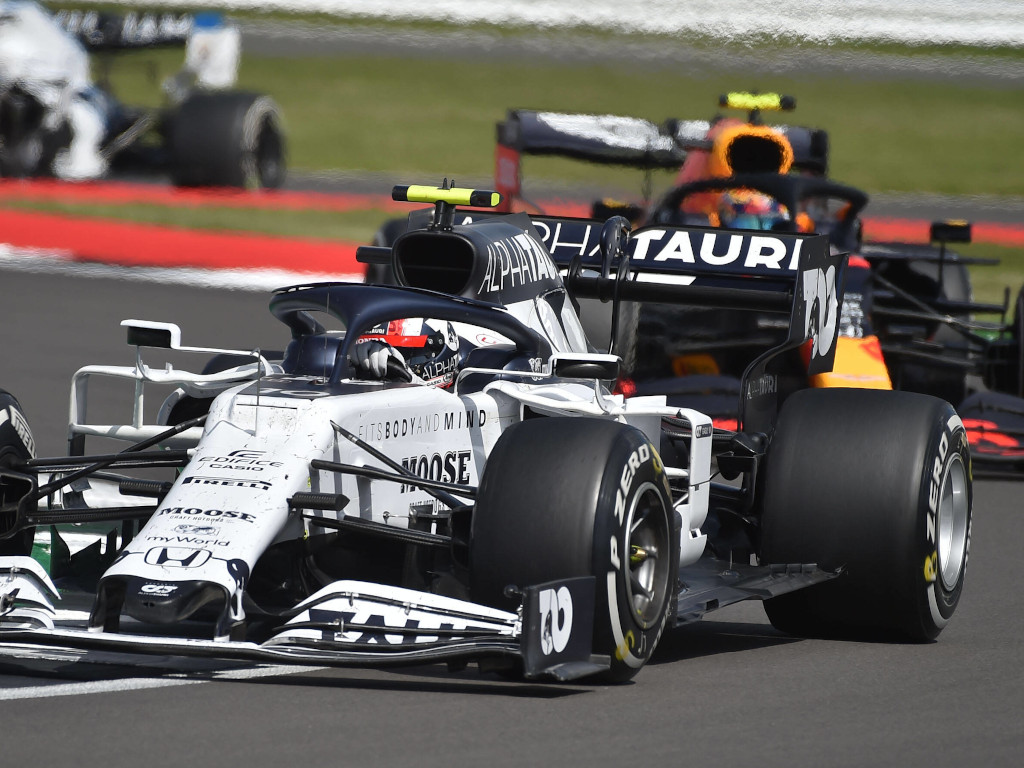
430, 348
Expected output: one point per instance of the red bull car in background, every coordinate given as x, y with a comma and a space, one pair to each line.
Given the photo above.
909, 320
343, 505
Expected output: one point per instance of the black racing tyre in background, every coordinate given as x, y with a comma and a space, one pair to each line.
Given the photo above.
227, 139
27, 146
16, 444
1009, 377
951, 283
1016, 362
878, 484
568, 497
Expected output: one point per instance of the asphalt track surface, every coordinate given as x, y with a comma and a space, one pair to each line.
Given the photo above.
729, 690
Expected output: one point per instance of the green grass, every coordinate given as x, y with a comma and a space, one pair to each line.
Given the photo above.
387, 115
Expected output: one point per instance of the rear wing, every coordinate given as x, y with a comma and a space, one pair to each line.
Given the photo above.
611, 139
101, 31
619, 140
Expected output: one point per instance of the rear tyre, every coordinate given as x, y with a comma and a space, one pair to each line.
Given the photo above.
27, 147
568, 497
227, 139
877, 484
16, 444
953, 283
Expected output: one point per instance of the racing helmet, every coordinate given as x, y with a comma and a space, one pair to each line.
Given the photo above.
748, 209
431, 348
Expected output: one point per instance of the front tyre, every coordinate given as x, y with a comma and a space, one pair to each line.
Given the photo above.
227, 139
567, 497
877, 484
16, 445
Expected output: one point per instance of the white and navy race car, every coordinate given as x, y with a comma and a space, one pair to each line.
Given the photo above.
441, 471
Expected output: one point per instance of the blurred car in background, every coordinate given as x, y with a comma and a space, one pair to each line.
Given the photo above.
56, 121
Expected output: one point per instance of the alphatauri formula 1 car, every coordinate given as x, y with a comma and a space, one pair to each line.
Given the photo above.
484, 497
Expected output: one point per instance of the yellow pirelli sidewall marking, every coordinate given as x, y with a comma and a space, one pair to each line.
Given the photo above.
624, 648
858, 364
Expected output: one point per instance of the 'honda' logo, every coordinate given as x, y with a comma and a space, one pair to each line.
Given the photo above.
177, 557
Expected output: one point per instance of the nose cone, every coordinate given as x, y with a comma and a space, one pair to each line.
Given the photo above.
167, 602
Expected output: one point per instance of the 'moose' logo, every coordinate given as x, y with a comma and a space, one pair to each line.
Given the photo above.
450, 467
197, 513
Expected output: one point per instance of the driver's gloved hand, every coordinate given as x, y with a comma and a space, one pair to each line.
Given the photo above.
370, 358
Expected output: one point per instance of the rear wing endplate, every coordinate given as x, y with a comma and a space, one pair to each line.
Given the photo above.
101, 31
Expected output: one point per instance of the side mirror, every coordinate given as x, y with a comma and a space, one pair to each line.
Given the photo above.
950, 231
145, 333
585, 366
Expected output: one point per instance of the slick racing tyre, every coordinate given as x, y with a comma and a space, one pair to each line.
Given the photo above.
953, 283
1006, 374
877, 485
227, 139
16, 444
27, 146
568, 497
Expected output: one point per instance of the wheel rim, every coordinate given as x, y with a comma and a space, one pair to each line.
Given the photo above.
952, 523
269, 156
648, 540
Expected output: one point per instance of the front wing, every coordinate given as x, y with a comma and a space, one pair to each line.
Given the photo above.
346, 624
